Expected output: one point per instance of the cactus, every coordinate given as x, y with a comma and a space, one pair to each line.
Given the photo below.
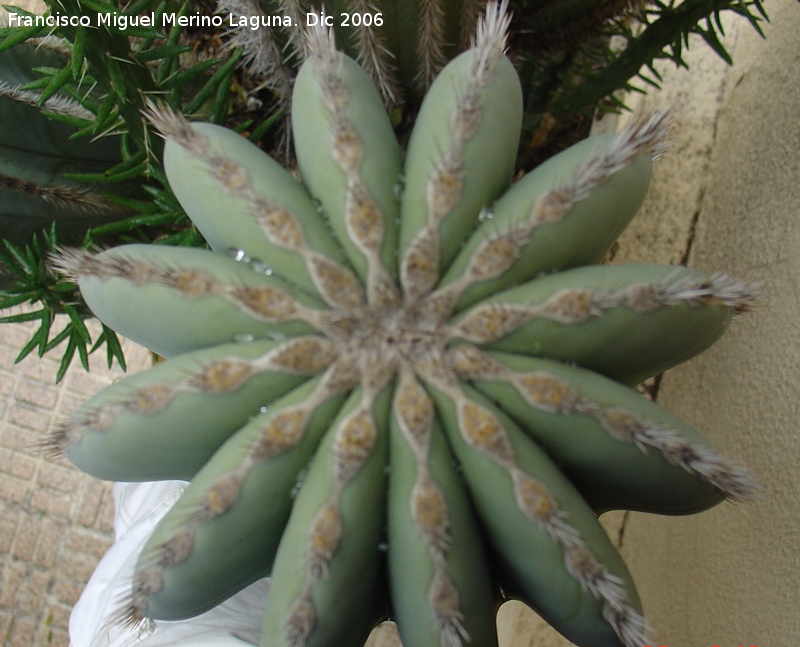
37, 159
410, 356
78, 164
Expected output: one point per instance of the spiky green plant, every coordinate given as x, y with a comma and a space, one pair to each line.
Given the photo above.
49, 192
36, 160
75, 150
402, 357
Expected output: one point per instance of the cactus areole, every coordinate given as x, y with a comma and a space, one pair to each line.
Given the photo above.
403, 385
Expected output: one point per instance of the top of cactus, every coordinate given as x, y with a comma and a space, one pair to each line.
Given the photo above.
380, 290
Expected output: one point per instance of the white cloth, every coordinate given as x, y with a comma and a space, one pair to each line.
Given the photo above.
138, 508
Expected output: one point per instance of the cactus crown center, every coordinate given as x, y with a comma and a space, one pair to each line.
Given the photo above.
394, 333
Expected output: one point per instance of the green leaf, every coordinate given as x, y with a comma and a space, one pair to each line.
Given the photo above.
60, 337
37, 84
744, 11
114, 127
17, 261
138, 32
104, 113
710, 36
44, 330
161, 52
242, 127
77, 52
77, 323
147, 43
83, 354
179, 78
115, 351
655, 73
22, 317
99, 6
109, 176
75, 122
84, 98
27, 349
113, 347
170, 61
212, 85
158, 175
66, 359
12, 300
135, 222
139, 6
718, 20
265, 125
117, 79
649, 81
56, 83
760, 8
16, 35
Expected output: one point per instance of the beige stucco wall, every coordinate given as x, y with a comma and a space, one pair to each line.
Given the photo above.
732, 576
727, 196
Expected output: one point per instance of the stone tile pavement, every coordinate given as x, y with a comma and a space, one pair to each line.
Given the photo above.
55, 522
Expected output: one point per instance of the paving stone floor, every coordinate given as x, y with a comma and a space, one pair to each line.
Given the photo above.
55, 522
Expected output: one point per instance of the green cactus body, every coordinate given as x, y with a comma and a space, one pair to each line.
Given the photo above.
199, 577
438, 350
349, 159
575, 315
317, 596
180, 408
579, 598
37, 154
558, 239
205, 298
439, 204
578, 415
273, 193
432, 525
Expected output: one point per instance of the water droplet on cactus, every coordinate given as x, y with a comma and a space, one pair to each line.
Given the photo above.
318, 206
399, 186
147, 628
261, 267
263, 409
238, 255
242, 338
301, 477
485, 214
